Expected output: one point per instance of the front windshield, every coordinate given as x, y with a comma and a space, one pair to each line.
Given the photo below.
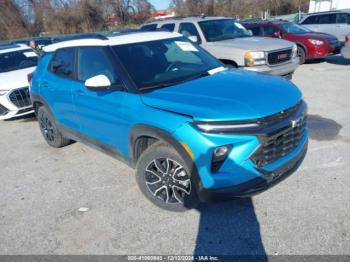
223, 29
294, 29
165, 62
17, 60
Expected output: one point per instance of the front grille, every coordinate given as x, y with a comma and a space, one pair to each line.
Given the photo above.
279, 143
279, 56
20, 97
3, 110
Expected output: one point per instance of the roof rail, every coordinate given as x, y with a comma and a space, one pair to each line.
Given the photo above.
331, 11
80, 36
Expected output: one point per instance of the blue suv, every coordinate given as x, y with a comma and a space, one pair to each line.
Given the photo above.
194, 130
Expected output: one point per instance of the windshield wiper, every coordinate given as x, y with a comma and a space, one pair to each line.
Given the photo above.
163, 85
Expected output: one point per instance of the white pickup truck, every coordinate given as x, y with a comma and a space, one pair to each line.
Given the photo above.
235, 46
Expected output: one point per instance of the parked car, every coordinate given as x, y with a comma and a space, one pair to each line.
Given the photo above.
311, 45
335, 22
16, 62
230, 42
193, 129
346, 49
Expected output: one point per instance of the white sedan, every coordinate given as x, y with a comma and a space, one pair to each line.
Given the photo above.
16, 62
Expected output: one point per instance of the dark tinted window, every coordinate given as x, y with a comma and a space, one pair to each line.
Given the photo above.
342, 18
63, 63
188, 29
269, 30
93, 61
17, 60
327, 19
164, 62
310, 20
255, 30
152, 27
169, 27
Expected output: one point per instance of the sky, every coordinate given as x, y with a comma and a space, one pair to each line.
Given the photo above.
160, 4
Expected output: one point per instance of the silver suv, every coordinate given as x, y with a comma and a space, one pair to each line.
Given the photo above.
235, 46
336, 23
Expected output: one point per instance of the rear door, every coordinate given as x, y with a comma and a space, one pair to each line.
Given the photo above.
56, 86
100, 114
342, 26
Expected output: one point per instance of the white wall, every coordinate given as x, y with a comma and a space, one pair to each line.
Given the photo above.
328, 5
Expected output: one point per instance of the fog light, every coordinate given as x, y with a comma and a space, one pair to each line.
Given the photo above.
219, 156
221, 151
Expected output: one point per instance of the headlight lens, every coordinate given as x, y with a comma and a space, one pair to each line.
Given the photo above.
3, 92
255, 58
227, 127
316, 42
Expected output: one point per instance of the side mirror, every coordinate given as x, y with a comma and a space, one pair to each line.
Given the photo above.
250, 32
98, 83
277, 34
193, 38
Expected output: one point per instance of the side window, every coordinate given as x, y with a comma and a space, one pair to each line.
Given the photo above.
169, 27
342, 18
62, 63
188, 29
94, 61
269, 30
327, 19
310, 20
256, 30
151, 27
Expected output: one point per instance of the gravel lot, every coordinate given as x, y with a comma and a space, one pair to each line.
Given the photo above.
42, 190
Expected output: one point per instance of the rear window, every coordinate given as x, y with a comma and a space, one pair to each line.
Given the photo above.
255, 30
152, 27
62, 63
18, 60
169, 27
327, 19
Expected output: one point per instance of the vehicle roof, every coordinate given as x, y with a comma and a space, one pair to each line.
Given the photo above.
328, 12
121, 39
266, 22
189, 19
12, 48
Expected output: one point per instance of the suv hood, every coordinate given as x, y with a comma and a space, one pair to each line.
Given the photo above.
15, 79
255, 43
228, 95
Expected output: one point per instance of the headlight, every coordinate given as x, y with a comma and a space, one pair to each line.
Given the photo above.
295, 51
228, 127
3, 92
316, 42
254, 58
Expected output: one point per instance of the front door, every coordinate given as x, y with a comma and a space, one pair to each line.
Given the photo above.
100, 114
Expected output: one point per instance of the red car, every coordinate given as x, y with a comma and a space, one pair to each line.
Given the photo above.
311, 45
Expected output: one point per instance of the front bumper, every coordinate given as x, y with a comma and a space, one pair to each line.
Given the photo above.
283, 69
257, 185
8, 109
243, 172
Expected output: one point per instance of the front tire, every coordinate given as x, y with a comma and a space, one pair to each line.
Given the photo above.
165, 179
49, 129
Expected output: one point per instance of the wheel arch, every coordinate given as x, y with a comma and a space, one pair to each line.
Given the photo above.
150, 132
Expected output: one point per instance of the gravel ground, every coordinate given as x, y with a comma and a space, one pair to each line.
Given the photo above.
76, 200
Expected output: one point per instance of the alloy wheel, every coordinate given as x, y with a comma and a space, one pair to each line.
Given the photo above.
167, 180
47, 128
